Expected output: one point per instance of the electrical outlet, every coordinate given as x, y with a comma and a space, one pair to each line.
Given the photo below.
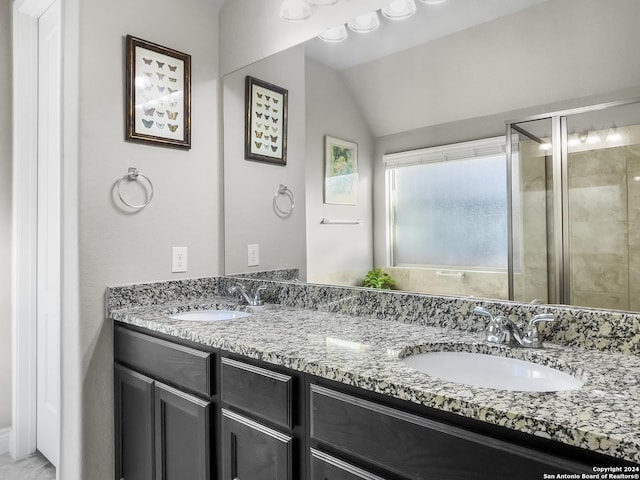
179, 259
253, 255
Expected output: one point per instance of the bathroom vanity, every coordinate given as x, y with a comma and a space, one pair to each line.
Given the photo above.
290, 393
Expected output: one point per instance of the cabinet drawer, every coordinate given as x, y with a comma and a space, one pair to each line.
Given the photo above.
258, 391
172, 363
417, 447
327, 467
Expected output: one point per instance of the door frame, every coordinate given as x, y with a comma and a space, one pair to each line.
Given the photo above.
24, 204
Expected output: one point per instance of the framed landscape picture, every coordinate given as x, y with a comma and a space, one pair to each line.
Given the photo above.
158, 94
341, 172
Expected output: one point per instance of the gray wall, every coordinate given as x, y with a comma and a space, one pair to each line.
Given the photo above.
250, 186
118, 247
561, 54
5, 214
337, 254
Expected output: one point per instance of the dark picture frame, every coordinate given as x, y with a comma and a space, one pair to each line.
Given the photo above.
265, 121
158, 94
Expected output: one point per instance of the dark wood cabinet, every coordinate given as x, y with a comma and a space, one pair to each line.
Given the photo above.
251, 451
415, 447
182, 436
161, 431
134, 429
187, 412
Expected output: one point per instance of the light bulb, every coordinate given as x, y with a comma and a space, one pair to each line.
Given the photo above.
365, 23
614, 135
334, 35
573, 141
295, 10
399, 9
593, 138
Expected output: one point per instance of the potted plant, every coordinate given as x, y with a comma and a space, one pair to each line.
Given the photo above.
377, 278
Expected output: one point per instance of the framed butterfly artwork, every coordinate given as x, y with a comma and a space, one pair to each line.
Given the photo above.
265, 122
158, 91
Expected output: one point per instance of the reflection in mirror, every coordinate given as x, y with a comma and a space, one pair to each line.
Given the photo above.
575, 218
455, 88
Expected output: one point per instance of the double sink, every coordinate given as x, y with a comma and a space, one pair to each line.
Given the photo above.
474, 369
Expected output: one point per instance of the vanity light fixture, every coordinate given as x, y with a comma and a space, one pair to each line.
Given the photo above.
399, 9
295, 10
365, 23
334, 35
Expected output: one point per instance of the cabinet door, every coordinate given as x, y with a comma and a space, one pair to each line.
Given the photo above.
327, 467
182, 435
134, 425
251, 451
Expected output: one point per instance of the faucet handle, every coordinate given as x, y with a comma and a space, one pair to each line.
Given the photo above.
256, 298
541, 317
483, 311
531, 335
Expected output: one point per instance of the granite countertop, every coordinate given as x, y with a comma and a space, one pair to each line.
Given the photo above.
602, 416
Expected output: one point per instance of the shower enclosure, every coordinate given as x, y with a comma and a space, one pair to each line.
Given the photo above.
574, 224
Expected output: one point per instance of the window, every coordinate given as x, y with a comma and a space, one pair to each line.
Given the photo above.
448, 206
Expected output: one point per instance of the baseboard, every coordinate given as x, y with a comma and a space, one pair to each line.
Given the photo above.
5, 433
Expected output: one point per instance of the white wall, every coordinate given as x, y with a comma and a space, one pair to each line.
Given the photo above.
250, 186
558, 50
336, 253
118, 247
5, 214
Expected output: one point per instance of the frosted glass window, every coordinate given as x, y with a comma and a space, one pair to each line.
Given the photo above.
451, 213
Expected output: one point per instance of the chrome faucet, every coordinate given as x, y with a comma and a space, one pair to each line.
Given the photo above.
504, 331
241, 291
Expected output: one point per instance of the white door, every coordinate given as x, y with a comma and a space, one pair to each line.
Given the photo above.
49, 241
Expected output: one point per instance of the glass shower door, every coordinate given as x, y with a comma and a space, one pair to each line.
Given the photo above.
533, 239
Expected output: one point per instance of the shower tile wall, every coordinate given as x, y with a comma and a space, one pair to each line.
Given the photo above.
530, 274
604, 205
633, 185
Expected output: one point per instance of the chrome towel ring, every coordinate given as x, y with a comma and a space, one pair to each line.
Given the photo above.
286, 192
133, 177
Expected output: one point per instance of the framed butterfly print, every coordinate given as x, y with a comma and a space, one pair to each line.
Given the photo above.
341, 172
265, 122
158, 94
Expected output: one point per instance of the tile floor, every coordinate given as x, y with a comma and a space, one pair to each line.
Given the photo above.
33, 467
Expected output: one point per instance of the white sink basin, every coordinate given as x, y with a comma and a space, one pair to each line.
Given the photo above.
491, 371
210, 315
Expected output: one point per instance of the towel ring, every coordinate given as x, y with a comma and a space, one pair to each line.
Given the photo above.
285, 191
133, 176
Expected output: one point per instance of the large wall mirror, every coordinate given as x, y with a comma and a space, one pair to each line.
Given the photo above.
390, 92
